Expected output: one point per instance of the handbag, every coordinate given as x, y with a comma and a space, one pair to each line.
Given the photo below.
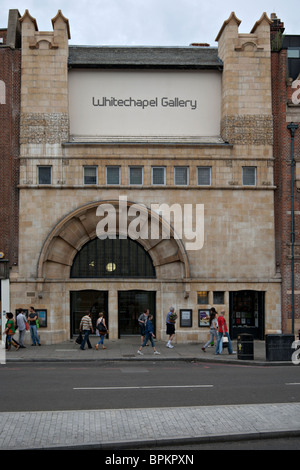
79, 339
101, 328
26, 326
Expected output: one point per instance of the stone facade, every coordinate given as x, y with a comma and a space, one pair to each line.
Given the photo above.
57, 219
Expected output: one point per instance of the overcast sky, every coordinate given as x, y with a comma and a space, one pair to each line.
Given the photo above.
151, 22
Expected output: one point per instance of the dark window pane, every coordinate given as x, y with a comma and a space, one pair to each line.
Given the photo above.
112, 258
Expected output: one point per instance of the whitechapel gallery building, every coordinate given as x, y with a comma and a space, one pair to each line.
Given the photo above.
146, 181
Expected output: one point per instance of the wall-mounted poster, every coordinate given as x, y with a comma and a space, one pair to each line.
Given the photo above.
42, 316
186, 316
203, 317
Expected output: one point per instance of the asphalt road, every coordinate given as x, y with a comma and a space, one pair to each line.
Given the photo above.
112, 385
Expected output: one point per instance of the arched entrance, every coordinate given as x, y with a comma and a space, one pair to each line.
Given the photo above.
68, 260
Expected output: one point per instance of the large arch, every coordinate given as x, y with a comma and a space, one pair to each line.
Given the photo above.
168, 255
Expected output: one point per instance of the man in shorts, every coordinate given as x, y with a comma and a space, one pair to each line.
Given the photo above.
170, 321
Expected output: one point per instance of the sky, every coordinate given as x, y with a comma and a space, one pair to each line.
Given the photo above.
151, 22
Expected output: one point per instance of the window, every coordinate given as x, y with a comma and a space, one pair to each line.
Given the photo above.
90, 174
218, 298
135, 175
204, 176
249, 176
44, 175
158, 175
293, 52
112, 258
181, 175
112, 175
202, 297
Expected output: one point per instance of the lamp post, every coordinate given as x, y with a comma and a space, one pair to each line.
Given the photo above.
292, 128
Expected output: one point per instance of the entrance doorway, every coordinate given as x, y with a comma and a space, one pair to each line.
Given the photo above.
130, 306
247, 313
83, 301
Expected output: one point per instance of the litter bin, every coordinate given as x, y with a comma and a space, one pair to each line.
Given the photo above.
279, 347
245, 346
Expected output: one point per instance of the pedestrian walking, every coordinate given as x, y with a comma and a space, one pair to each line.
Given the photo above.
149, 335
86, 328
213, 328
21, 322
32, 319
170, 323
10, 331
223, 332
101, 330
142, 323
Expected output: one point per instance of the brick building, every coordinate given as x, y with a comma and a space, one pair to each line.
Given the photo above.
286, 114
10, 88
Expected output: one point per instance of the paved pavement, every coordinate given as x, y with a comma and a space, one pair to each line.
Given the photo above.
134, 428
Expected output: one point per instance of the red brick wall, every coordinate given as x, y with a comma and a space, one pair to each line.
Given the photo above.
10, 73
282, 178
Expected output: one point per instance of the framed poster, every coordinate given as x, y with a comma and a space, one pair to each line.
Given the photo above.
42, 316
186, 317
203, 317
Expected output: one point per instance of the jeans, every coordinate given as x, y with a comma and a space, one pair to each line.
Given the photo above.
220, 343
86, 339
147, 337
213, 334
34, 335
101, 339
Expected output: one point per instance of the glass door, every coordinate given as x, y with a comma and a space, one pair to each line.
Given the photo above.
84, 301
131, 304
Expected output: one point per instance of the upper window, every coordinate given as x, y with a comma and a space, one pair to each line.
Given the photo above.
44, 175
135, 175
113, 175
249, 176
204, 176
112, 258
158, 175
90, 175
181, 175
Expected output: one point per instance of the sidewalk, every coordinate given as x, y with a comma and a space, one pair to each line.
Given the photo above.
118, 429
126, 349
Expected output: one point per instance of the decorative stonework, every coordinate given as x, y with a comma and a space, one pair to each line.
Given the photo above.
50, 128
247, 130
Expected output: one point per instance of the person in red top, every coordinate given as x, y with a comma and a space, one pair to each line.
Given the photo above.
223, 331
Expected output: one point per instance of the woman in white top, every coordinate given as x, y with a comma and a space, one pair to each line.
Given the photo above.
99, 332
213, 328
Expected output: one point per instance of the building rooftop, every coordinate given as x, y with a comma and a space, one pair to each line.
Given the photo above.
189, 57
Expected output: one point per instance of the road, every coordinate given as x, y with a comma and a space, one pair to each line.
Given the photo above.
115, 385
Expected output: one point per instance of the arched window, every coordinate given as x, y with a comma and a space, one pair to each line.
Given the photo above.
112, 258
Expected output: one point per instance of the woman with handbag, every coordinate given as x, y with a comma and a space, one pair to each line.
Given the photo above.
101, 330
213, 328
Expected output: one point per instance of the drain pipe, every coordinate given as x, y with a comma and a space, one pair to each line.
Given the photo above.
292, 128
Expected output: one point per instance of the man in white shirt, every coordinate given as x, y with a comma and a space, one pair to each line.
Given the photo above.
21, 322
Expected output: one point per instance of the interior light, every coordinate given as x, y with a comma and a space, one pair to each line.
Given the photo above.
110, 267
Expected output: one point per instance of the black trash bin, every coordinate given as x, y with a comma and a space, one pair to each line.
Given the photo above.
245, 348
279, 347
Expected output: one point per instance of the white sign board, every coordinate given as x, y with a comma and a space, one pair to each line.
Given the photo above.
144, 103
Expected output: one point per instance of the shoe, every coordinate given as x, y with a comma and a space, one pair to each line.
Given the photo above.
156, 352
140, 352
97, 347
33, 345
203, 349
18, 347
103, 347
170, 346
